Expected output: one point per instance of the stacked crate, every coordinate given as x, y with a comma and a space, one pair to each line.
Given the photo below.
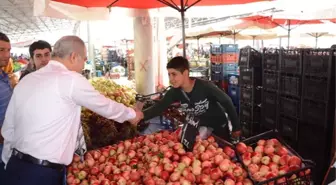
298, 100
318, 105
270, 90
290, 95
224, 61
250, 81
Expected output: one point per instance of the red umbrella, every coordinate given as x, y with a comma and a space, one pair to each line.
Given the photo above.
269, 22
147, 4
179, 5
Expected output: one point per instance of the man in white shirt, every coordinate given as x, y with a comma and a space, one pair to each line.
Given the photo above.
43, 117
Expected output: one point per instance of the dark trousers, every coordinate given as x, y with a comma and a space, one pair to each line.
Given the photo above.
19, 172
2, 172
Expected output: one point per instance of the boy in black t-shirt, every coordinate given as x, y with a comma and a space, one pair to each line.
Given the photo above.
201, 98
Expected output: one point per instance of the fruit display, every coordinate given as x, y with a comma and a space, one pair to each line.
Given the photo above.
99, 131
159, 159
269, 159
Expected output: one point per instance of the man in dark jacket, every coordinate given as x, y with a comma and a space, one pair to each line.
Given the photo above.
210, 105
39, 56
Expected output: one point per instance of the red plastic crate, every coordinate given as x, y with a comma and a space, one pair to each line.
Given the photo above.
216, 58
230, 57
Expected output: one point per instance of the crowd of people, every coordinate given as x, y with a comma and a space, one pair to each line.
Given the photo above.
40, 117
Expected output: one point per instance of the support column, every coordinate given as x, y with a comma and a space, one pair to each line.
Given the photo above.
163, 58
91, 48
143, 54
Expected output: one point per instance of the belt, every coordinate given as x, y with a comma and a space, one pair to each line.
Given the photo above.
40, 162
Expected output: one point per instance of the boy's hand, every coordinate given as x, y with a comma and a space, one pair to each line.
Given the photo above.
236, 134
139, 116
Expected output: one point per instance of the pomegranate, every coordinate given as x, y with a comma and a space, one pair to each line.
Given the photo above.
237, 171
294, 161
229, 182
215, 174
269, 149
259, 149
229, 151
253, 168
264, 170
165, 175
256, 158
218, 159
247, 182
186, 160
224, 166
284, 160
265, 160
175, 176
241, 147
205, 178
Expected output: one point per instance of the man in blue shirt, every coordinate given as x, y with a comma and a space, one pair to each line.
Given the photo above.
5, 88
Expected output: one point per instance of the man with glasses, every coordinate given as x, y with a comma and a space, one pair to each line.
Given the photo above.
42, 122
40, 52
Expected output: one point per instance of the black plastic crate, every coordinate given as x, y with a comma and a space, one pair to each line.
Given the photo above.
290, 107
317, 62
270, 81
291, 61
315, 88
290, 85
250, 77
314, 144
249, 113
249, 57
217, 75
217, 67
269, 110
250, 95
314, 113
270, 60
301, 176
289, 130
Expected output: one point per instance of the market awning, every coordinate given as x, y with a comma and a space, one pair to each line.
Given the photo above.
147, 4
287, 24
274, 22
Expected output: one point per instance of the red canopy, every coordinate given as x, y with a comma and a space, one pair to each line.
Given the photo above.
269, 22
147, 4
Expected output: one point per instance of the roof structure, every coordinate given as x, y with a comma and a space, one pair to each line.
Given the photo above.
18, 22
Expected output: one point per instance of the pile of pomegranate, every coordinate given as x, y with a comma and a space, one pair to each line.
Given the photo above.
269, 159
158, 159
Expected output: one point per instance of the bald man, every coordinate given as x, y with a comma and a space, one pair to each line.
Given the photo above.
43, 117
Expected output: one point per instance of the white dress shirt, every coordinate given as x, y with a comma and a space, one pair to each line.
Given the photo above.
43, 115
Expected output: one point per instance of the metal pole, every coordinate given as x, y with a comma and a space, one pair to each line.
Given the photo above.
183, 29
289, 30
198, 49
253, 37
316, 39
